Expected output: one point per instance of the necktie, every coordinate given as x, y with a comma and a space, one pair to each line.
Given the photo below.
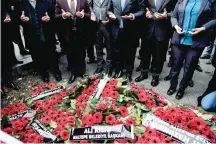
158, 3
73, 8
122, 3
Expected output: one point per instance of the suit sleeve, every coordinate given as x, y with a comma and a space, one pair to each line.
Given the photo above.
141, 8
90, 2
58, 12
212, 24
87, 10
51, 11
174, 15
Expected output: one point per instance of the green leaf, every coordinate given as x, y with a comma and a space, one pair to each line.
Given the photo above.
78, 122
73, 104
64, 105
120, 98
208, 123
53, 124
128, 99
205, 116
4, 121
213, 128
67, 142
139, 130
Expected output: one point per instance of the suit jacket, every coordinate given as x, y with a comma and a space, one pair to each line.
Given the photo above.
206, 18
69, 23
135, 7
161, 29
100, 9
42, 6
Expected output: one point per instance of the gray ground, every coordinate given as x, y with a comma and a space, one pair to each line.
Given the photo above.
201, 79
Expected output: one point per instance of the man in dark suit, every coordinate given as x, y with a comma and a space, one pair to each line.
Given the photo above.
7, 48
15, 25
99, 9
158, 34
37, 16
74, 13
123, 14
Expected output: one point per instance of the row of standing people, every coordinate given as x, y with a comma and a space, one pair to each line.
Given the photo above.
116, 23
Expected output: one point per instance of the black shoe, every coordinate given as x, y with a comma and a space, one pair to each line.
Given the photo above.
13, 86
90, 61
138, 69
179, 94
45, 79
17, 62
167, 78
24, 52
58, 77
98, 70
155, 81
205, 57
118, 74
141, 77
199, 100
128, 76
198, 68
170, 63
191, 83
72, 79
139, 57
171, 91
109, 72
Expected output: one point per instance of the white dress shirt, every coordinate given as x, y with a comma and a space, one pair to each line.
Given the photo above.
69, 3
155, 2
33, 3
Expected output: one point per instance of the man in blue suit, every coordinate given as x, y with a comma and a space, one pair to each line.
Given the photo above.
124, 14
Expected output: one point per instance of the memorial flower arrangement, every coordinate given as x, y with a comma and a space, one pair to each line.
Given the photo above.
189, 120
118, 103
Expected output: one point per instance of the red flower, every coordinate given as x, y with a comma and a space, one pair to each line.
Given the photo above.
41, 108
71, 119
17, 125
114, 94
130, 121
102, 107
8, 130
64, 135
198, 123
89, 91
119, 122
123, 111
110, 119
98, 117
46, 120
142, 97
90, 121
154, 139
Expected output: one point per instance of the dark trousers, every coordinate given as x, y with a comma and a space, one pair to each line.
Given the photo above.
103, 39
7, 51
16, 36
124, 51
211, 85
44, 57
155, 50
90, 39
188, 56
75, 51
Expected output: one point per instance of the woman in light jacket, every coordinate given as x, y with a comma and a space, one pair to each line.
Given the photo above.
192, 19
